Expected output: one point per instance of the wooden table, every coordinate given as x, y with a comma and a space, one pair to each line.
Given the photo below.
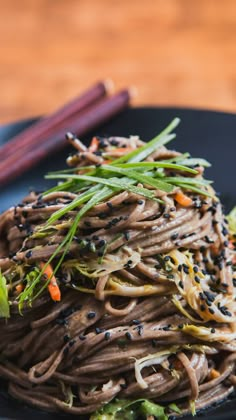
177, 52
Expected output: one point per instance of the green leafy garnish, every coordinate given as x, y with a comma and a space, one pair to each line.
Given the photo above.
142, 152
4, 304
130, 410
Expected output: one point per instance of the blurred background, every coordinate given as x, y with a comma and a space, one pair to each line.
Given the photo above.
176, 52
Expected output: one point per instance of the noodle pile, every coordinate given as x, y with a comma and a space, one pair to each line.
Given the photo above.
147, 307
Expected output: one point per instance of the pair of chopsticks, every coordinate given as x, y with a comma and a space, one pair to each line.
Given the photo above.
81, 115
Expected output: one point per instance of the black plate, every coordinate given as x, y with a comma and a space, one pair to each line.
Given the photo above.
208, 134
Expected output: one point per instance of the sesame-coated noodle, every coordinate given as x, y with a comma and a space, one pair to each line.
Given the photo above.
117, 288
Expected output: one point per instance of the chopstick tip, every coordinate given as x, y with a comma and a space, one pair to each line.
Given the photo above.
109, 85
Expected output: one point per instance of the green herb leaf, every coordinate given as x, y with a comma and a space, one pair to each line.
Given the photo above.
142, 152
4, 304
149, 180
161, 164
117, 183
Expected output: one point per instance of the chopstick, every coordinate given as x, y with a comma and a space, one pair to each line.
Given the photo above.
16, 163
50, 123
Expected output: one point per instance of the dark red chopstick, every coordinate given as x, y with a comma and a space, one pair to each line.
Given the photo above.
47, 125
17, 164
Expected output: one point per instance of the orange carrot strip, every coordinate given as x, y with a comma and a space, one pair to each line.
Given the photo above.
94, 145
53, 287
214, 374
19, 288
183, 199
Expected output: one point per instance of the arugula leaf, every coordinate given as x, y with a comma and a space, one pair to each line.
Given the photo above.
4, 304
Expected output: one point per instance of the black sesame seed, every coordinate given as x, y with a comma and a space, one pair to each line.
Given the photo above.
213, 330
167, 258
211, 310
225, 231
102, 215
179, 267
174, 236
91, 315
202, 248
95, 237
197, 279
170, 276
166, 215
234, 282
109, 205
127, 235
157, 266
195, 268
202, 307
140, 202
181, 284
114, 142
28, 254
186, 269
180, 326
123, 386
166, 328
66, 338
101, 243
208, 240
82, 337
136, 322
228, 263
128, 335
107, 335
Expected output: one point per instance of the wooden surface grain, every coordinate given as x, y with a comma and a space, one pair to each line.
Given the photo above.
177, 52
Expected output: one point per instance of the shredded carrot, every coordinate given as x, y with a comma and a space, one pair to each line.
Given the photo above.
19, 288
183, 199
53, 287
214, 374
94, 145
120, 151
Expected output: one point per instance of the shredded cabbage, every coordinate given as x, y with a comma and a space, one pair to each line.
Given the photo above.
93, 268
232, 221
4, 304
